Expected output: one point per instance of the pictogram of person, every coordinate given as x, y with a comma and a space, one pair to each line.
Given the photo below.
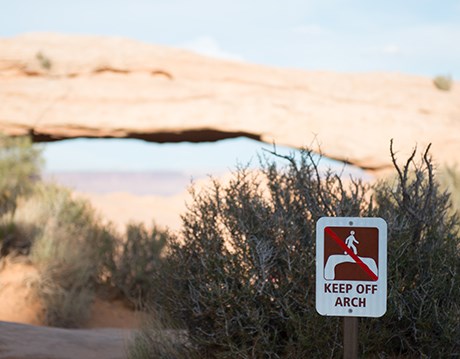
350, 242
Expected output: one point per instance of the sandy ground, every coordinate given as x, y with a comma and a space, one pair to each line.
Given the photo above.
16, 299
18, 303
22, 334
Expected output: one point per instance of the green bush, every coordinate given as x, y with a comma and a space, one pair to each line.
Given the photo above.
136, 258
241, 276
20, 165
44, 61
443, 83
69, 248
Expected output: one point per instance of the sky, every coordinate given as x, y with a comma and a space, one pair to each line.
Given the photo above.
118, 155
411, 36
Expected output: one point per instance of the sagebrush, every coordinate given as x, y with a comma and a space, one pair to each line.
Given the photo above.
77, 255
69, 248
20, 165
159, 337
135, 258
443, 83
241, 275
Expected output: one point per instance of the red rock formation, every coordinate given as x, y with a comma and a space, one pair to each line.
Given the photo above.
58, 86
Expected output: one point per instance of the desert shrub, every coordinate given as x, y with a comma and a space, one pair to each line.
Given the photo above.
135, 260
69, 248
449, 178
20, 165
241, 275
443, 83
44, 61
159, 337
423, 317
76, 255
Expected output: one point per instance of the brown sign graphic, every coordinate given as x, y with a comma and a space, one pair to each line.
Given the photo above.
351, 253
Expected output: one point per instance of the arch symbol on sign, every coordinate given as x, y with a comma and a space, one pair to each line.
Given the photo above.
329, 270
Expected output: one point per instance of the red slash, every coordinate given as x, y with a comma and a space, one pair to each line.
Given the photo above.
358, 260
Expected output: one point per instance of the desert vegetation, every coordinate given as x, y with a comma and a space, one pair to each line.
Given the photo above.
137, 257
240, 277
44, 61
76, 254
67, 246
443, 83
20, 165
238, 280
449, 179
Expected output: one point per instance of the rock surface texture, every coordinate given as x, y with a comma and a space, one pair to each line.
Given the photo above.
22, 341
58, 86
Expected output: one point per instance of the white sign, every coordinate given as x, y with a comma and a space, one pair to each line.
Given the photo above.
351, 266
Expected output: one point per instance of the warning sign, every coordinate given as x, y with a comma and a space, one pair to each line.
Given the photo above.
343, 261
351, 266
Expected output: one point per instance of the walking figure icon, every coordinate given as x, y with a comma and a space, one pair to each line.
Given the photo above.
350, 242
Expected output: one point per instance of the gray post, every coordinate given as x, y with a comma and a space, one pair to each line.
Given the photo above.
350, 337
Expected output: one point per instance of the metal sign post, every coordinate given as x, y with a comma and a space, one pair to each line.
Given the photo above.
350, 337
351, 272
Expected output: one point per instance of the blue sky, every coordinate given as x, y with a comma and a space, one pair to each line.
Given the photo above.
128, 155
417, 37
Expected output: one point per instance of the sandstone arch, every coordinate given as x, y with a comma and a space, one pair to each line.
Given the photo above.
162, 94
